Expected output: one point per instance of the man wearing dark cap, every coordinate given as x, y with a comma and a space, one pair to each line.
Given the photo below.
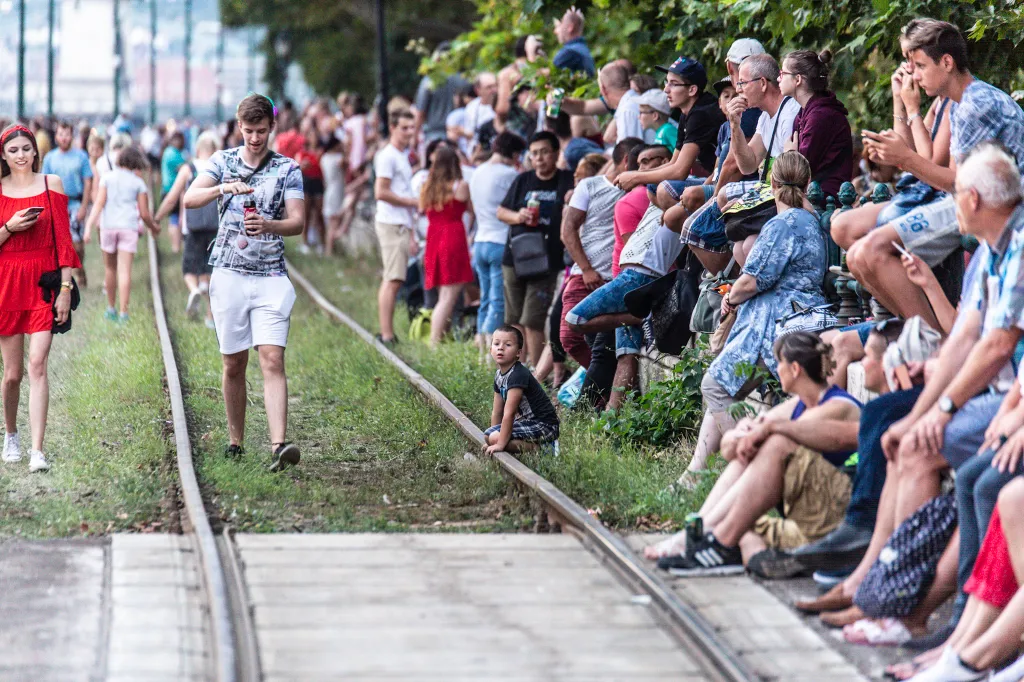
700, 119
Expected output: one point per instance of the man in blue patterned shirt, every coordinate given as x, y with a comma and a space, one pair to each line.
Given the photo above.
937, 59
251, 296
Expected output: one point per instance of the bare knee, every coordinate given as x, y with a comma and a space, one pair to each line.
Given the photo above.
36, 366
271, 360
693, 198
847, 347
664, 199
13, 374
850, 226
234, 365
674, 217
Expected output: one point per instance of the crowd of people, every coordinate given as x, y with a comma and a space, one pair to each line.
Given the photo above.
895, 492
551, 217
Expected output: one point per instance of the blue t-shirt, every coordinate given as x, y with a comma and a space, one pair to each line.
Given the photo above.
170, 163
274, 184
575, 56
72, 167
835, 458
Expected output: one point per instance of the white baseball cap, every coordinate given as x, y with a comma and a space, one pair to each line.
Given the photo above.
655, 99
743, 48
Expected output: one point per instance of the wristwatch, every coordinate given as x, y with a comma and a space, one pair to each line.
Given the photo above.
947, 405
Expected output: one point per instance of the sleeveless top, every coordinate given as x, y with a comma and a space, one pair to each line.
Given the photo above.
833, 392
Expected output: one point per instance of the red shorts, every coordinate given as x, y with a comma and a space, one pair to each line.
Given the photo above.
992, 579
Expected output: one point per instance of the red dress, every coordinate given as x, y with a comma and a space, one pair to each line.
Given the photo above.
993, 580
27, 255
446, 257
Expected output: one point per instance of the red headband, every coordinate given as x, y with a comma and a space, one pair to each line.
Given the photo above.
16, 129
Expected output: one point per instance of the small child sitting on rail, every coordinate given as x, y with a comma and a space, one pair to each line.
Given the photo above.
523, 416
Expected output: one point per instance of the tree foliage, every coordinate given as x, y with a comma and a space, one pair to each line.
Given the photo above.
862, 34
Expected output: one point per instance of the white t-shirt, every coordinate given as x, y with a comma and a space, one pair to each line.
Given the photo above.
627, 119
766, 124
652, 247
596, 197
487, 189
121, 211
394, 164
477, 114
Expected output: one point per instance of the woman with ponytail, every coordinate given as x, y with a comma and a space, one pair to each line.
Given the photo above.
791, 456
785, 266
821, 131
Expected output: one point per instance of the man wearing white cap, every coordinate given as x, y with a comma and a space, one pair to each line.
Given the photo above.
740, 50
654, 113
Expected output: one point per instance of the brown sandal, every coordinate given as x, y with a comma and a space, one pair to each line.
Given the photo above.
838, 619
833, 600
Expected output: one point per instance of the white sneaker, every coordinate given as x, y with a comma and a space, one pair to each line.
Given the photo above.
949, 669
12, 448
192, 307
210, 324
38, 462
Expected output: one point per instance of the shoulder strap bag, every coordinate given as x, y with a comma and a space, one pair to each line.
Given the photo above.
49, 281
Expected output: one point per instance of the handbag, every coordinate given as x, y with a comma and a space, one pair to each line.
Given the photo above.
530, 254
721, 335
814, 319
707, 312
50, 280
906, 566
746, 217
669, 303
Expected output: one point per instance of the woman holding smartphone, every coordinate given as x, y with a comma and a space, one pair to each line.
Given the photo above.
35, 237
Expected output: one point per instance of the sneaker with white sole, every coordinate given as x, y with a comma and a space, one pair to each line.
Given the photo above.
38, 462
12, 448
192, 307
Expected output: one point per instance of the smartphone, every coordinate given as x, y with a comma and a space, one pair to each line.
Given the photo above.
33, 211
899, 247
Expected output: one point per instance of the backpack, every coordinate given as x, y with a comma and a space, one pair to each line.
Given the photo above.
205, 219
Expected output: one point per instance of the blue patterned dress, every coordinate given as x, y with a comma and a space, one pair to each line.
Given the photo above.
788, 264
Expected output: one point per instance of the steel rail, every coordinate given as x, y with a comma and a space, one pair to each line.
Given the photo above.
213, 571
697, 635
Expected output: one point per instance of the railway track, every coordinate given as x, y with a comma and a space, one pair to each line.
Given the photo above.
234, 644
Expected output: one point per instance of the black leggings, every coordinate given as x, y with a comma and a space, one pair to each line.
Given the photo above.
555, 325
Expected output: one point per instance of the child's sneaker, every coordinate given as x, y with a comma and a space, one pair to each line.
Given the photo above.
210, 324
38, 462
122, 318
12, 448
192, 306
285, 454
111, 315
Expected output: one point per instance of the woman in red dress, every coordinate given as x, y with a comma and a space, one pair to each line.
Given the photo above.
27, 250
444, 200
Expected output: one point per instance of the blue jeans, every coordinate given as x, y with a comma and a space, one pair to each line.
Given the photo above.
876, 417
966, 431
611, 298
977, 488
487, 264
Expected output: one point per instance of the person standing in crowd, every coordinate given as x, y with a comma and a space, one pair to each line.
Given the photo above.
30, 241
396, 205
73, 169
480, 110
308, 159
289, 141
332, 165
444, 200
123, 202
198, 227
487, 189
250, 293
534, 204
617, 98
434, 103
108, 161
821, 131
170, 163
574, 55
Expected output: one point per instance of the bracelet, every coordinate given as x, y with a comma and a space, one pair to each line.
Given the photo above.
66, 285
912, 117
4, 227
901, 119
220, 188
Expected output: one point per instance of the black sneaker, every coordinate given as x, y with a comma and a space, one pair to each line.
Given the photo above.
285, 454
389, 343
234, 451
775, 564
707, 557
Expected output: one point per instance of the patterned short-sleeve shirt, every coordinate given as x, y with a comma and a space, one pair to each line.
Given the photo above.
275, 183
986, 113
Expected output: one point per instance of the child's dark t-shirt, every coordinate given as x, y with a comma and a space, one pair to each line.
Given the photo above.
535, 403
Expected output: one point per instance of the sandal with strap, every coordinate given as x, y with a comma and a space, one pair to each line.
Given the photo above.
882, 632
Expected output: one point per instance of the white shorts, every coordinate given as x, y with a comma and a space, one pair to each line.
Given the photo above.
931, 231
250, 310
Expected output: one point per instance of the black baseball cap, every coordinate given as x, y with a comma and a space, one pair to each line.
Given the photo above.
722, 84
687, 68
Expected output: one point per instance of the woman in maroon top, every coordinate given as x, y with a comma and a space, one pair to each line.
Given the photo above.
27, 250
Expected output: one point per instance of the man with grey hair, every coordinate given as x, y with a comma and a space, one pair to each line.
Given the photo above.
618, 98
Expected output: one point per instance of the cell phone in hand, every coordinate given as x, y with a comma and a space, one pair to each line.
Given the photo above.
899, 247
33, 211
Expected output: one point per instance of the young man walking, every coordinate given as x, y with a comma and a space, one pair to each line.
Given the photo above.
396, 207
72, 167
250, 293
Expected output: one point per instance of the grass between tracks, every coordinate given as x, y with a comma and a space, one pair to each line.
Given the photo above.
375, 455
105, 438
627, 483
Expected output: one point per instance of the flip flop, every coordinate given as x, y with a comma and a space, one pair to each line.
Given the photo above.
903, 671
883, 632
671, 546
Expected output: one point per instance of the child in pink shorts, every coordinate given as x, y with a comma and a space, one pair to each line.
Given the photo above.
122, 202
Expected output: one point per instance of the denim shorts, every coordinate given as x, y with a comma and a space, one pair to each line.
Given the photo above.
675, 187
611, 298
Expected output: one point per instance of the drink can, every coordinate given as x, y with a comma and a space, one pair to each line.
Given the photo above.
555, 108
